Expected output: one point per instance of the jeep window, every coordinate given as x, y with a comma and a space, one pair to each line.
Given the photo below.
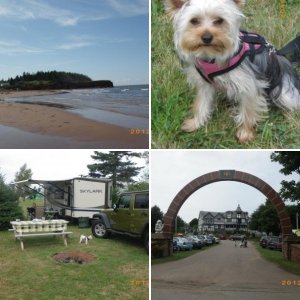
124, 201
141, 201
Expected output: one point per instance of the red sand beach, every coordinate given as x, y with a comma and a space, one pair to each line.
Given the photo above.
55, 122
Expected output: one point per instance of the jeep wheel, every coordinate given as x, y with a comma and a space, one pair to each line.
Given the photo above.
99, 230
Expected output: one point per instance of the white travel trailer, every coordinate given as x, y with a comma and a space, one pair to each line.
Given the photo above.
76, 197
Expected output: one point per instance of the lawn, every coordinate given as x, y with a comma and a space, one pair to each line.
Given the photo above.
277, 258
119, 272
171, 97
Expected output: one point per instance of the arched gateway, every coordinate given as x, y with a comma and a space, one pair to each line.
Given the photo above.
228, 175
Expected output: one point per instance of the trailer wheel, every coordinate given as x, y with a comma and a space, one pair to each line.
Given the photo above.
99, 230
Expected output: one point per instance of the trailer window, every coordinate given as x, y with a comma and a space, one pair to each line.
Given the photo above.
124, 201
141, 201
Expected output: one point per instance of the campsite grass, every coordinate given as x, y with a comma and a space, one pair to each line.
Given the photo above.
119, 272
172, 97
277, 258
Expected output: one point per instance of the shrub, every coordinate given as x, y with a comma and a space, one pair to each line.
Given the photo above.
9, 206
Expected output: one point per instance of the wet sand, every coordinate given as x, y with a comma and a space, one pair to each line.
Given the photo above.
51, 127
6, 94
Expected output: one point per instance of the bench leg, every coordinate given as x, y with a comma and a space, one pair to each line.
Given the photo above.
65, 240
21, 243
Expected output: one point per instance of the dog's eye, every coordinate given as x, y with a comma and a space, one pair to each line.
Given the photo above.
218, 21
195, 21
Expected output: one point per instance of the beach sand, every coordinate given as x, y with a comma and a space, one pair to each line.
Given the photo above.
54, 122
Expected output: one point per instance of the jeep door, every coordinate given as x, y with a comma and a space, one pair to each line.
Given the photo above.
120, 218
140, 213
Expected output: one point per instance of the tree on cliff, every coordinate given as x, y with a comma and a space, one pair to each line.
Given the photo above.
52, 76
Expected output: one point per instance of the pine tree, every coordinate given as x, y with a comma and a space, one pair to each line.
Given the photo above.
23, 174
115, 165
9, 206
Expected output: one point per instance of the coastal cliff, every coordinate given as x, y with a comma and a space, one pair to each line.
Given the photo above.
53, 80
64, 85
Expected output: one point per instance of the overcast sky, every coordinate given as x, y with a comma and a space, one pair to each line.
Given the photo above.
103, 39
48, 164
172, 170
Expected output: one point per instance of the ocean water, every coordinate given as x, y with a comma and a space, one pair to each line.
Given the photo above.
126, 106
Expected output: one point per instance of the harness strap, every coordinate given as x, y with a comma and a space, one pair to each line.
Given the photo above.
251, 45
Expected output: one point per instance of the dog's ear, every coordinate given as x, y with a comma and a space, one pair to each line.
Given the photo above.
172, 6
240, 3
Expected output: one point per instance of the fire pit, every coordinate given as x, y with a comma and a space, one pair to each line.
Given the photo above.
73, 257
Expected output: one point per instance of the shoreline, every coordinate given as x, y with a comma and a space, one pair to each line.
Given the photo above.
56, 122
30, 93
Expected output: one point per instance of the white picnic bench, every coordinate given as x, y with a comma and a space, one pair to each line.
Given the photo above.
40, 228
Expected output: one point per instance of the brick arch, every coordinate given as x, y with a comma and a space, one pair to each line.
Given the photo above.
226, 175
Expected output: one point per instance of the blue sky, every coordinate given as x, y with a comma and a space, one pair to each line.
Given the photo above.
104, 39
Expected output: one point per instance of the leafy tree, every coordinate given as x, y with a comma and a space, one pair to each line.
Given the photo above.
23, 174
115, 165
194, 225
156, 214
292, 211
9, 205
180, 225
290, 160
139, 186
265, 219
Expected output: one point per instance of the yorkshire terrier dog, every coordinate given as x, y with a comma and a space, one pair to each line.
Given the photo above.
218, 56
85, 239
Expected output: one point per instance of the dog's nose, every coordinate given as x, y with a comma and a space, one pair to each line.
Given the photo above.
207, 38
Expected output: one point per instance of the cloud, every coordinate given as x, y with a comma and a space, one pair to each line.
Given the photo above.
82, 41
33, 9
130, 7
72, 46
11, 47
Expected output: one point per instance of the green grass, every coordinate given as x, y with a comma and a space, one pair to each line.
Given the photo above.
277, 258
119, 272
172, 97
178, 255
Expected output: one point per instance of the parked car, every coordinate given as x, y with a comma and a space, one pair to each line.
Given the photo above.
222, 237
204, 239
197, 244
183, 243
175, 246
209, 240
264, 241
274, 243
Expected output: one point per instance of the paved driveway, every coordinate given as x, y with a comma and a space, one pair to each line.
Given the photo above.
223, 272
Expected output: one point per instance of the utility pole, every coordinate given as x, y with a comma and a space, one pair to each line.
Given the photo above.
297, 220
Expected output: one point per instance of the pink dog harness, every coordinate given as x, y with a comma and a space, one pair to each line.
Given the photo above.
251, 45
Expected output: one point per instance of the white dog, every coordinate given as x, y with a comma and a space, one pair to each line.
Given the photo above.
85, 239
